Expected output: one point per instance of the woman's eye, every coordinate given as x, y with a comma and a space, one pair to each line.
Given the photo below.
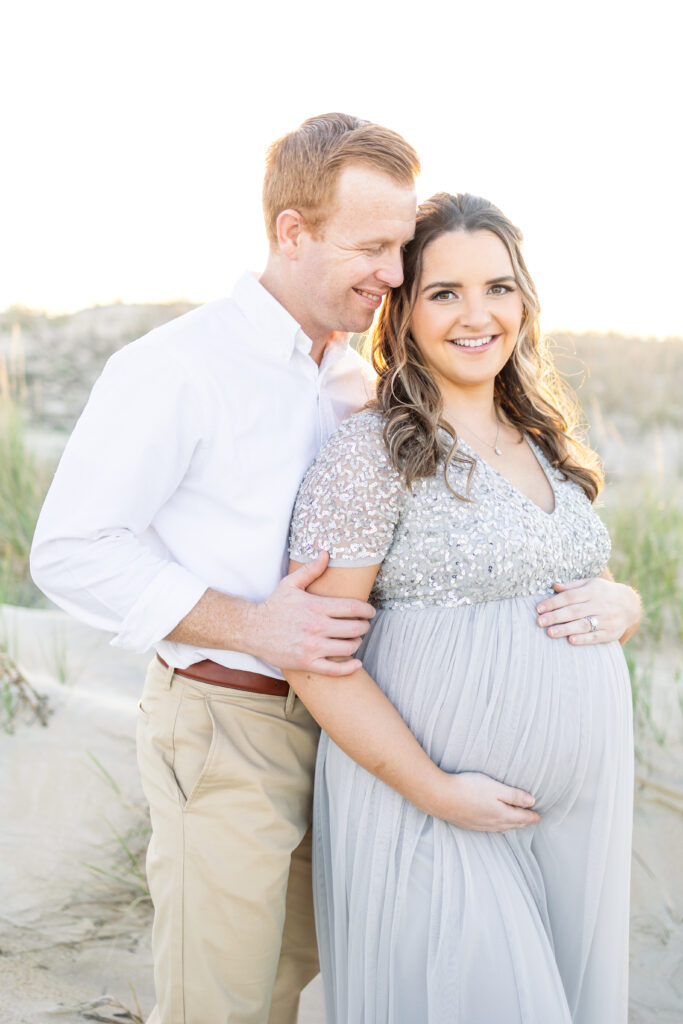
501, 289
443, 296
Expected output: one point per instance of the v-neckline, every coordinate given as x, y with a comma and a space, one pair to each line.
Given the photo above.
540, 459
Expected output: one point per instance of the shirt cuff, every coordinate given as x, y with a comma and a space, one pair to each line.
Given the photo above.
159, 609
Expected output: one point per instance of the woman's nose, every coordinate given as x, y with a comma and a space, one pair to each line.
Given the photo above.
474, 312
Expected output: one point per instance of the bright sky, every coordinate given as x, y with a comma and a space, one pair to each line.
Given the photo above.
134, 133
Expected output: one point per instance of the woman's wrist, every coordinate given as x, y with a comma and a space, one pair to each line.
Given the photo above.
439, 796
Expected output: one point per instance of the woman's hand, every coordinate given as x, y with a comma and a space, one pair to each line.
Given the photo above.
479, 803
577, 607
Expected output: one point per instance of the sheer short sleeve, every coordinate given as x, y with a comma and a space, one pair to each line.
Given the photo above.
350, 499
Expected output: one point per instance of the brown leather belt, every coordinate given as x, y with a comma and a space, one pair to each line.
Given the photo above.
234, 678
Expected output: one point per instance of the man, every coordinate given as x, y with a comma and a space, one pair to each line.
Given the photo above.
167, 524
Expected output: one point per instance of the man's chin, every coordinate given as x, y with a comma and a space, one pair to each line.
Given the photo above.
359, 323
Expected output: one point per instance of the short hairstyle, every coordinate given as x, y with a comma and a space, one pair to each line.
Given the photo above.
303, 166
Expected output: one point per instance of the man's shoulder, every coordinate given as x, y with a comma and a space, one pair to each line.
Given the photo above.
193, 328
186, 342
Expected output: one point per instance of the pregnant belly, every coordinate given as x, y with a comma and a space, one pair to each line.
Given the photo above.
485, 689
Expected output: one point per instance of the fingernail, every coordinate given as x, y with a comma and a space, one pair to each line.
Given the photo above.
540, 609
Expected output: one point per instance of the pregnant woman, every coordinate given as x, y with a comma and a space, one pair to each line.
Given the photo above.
472, 868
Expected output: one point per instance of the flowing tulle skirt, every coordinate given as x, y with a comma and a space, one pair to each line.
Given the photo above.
420, 922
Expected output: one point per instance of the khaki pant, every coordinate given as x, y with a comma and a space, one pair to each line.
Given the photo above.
229, 779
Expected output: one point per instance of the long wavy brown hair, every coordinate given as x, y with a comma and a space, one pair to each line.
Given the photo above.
528, 393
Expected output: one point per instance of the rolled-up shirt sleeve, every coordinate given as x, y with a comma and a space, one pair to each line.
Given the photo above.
96, 551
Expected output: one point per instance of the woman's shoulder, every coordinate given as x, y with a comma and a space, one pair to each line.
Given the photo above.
351, 497
354, 461
368, 423
359, 439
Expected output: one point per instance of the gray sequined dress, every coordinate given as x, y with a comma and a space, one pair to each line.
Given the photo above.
421, 922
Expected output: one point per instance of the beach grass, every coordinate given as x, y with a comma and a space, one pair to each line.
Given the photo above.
126, 865
23, 485
646, 526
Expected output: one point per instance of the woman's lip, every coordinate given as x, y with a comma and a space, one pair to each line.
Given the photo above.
476, 348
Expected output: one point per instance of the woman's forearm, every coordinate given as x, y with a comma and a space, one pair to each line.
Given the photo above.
361, 720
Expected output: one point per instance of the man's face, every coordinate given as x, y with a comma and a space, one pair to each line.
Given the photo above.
343, 273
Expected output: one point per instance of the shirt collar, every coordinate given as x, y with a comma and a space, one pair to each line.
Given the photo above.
334, 351
277, 330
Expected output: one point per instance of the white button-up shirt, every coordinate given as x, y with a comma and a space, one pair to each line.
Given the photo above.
182, 471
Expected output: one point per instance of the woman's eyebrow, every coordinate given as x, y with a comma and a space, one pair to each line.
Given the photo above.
457, 284
442, 284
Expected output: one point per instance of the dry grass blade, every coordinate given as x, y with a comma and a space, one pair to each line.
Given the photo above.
133, 844
17, 696
113, 1010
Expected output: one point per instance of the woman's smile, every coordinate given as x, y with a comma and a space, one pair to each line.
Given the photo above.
475, 344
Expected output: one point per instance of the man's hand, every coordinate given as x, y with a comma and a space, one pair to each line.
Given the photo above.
613, 606
300, 631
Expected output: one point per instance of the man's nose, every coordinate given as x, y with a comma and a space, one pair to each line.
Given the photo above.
391, 271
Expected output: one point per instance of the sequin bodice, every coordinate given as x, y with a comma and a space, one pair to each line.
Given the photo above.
436, 549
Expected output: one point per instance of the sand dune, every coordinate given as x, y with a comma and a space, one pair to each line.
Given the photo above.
70, 935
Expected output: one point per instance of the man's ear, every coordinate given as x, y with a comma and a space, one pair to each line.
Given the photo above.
290, 226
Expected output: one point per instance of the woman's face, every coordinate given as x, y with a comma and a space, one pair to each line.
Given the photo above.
468, 311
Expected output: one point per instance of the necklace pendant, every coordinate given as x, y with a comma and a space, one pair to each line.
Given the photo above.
497, 450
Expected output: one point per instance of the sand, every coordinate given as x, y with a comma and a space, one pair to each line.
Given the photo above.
74, 927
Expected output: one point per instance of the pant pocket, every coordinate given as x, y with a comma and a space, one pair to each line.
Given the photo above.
154, 699
195, 738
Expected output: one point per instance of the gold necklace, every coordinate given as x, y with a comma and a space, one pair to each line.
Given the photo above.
488, 444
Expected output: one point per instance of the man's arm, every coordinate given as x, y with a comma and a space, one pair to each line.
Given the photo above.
128, 453
126, 458
290, 627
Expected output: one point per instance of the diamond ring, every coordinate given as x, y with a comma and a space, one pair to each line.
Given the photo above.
592, 622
